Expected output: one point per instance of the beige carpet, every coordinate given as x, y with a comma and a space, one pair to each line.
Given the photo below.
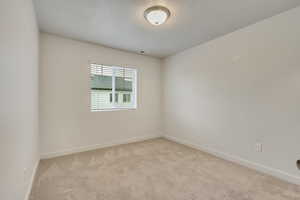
156, 169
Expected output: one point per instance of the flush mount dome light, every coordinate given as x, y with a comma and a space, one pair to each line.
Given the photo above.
157, 15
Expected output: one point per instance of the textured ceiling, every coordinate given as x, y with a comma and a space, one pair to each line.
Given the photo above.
120, 23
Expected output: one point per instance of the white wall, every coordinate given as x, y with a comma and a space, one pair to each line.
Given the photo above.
66, 121
19, 98
240, 89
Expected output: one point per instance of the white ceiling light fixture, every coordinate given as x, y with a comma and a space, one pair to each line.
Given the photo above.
157, 15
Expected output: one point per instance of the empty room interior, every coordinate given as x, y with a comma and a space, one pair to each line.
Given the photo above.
150, 100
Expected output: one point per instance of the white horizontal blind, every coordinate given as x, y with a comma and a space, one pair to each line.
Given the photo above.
109, 85
101, 70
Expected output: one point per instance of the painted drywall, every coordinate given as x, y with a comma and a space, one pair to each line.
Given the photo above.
19, 98
239, 90
66, 122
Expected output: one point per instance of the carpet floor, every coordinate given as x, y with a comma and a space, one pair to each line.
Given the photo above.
155, 169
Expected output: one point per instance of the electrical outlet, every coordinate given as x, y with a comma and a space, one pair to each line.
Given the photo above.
258, 147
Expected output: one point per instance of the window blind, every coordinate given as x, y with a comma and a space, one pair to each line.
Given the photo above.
108, 86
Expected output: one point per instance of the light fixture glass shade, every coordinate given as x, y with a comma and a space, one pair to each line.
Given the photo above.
157, 15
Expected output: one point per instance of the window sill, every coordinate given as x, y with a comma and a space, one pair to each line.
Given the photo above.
113, 109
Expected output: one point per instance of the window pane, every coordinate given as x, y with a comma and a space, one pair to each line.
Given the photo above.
124, 85
101, 87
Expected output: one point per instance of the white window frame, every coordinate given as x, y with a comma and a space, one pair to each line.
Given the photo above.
134, 89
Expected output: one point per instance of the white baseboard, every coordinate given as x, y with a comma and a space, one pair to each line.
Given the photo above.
29, 187
98, 146
262, 168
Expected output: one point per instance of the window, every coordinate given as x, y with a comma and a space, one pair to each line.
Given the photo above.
107, 83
